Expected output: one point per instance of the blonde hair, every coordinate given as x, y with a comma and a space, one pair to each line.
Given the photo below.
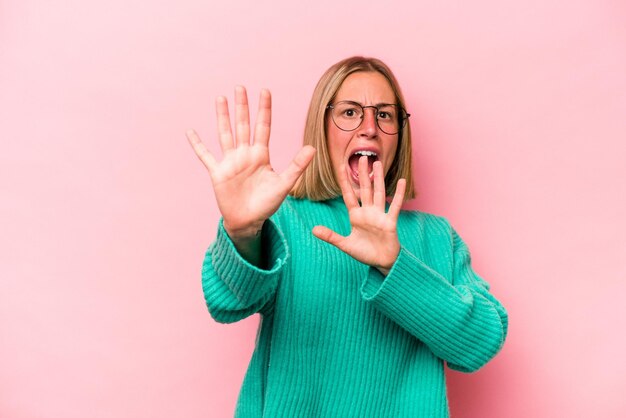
318, 180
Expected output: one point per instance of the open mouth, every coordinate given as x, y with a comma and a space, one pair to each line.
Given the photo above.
353, 163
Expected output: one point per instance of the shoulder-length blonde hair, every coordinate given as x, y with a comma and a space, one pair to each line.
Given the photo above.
318, 180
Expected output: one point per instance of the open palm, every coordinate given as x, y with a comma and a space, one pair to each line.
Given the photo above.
373, 239
248, 191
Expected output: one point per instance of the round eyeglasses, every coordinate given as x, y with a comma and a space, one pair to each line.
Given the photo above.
348, 116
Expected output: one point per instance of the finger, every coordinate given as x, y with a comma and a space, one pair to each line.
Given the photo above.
364, 182
349, 197
201, 151
264, 119
297, 166
398, 199
223, 124
242, 117
329, 236
379, 186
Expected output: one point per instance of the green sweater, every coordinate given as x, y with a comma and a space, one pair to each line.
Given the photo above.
337, 338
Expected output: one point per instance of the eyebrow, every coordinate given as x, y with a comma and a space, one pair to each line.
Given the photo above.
361, 104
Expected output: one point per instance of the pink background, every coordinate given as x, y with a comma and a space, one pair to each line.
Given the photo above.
519, 115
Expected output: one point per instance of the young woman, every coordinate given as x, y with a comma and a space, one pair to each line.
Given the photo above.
361, 302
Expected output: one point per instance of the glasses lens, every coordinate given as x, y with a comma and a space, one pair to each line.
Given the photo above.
388, 119
347, 115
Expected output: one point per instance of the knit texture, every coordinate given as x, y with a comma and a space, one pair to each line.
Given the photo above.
339, 339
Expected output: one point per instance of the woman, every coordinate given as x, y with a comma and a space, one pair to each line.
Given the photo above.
361, 303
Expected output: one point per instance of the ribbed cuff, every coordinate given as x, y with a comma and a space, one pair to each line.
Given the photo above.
248, 282
458, 323
415, 296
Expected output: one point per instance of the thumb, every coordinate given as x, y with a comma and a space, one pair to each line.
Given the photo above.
329, 236
297, 166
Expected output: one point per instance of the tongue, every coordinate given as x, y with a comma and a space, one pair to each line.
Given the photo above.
354, 164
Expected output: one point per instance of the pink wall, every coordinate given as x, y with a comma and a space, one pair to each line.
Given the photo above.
519, 113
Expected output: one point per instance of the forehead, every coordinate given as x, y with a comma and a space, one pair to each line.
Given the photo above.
366, 88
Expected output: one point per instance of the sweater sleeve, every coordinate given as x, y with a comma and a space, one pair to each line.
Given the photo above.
456, 317
235, 289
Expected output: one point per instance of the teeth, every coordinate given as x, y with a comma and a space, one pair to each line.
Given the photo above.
366, 153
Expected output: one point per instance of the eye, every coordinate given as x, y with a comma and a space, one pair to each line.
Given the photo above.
349, 113
348, 110
387, 113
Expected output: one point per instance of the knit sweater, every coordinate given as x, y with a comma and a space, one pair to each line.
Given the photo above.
339, 339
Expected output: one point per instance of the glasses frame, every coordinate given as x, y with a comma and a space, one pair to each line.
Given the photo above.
403, 116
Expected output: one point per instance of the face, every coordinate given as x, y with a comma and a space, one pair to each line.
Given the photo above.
345, 147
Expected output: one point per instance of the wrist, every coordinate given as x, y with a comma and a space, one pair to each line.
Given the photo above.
384, 271
247, 241
385, 268
243, 233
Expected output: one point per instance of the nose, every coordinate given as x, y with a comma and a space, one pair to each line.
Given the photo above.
369, 126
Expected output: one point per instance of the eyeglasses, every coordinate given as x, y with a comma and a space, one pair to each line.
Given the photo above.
348, 116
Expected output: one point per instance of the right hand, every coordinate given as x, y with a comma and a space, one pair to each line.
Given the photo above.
248, 191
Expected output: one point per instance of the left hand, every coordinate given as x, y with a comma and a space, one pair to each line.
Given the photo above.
374, 238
